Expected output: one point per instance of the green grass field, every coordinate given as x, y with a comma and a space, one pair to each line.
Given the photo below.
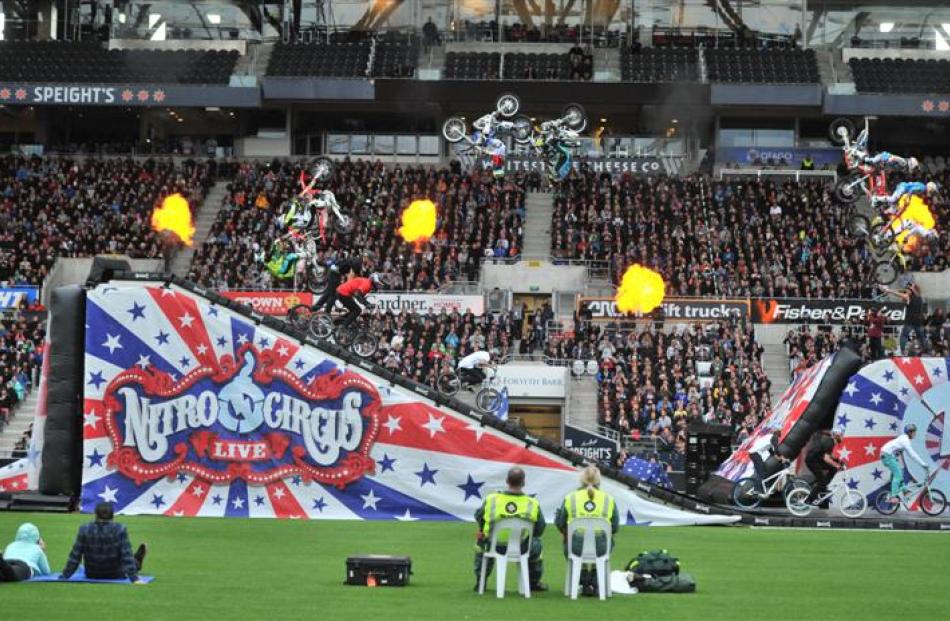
269, 569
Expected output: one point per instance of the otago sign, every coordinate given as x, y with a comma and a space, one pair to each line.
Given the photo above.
248, 419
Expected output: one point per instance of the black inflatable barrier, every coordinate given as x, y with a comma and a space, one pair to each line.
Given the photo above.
819, 415
61, 471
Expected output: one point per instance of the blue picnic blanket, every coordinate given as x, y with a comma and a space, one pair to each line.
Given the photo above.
80, 576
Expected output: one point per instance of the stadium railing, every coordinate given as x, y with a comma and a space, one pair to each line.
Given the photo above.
777, 173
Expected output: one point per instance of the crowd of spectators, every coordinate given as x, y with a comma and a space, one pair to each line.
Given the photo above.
739, 238
22, 337
582, 62
52, 207
477, 217
654, 381
420, 347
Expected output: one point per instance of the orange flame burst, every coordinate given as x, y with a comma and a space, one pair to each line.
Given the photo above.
917, 212
641, 290
174, 216
418, 222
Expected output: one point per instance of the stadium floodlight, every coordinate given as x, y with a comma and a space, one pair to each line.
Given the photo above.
122, 18
214, 18
887, 27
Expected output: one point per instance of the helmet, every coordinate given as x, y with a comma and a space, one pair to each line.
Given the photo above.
910, 428
932, 187
376, 278
912, 163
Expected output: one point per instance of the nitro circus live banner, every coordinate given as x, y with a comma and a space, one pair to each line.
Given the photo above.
192, 410
279, 302
876, 404
690, 309
794, 310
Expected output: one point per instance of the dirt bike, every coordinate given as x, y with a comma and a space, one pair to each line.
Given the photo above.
455, 128
554, 138
863, 180
306, 268
889, 259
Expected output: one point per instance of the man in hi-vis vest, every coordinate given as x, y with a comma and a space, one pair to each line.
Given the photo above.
587, 502
511, 503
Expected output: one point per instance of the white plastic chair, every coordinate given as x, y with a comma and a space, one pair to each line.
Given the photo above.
575, 562
592, 367
517, 529
703, 368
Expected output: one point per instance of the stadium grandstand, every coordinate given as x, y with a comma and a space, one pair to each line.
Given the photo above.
281, 259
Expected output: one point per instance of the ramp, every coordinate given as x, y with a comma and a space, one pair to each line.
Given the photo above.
197, 406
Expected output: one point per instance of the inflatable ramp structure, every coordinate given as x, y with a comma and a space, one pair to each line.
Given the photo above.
194, 405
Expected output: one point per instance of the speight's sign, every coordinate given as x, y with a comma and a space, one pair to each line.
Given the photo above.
219, 425
128, 95
679, 309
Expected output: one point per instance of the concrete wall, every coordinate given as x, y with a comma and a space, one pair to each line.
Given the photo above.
534, 276
252, 146
75, 271
934, 286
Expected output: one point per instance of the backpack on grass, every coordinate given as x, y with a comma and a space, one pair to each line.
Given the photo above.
655, 563
672, 583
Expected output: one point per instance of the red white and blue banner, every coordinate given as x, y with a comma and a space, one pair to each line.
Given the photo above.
14, 477
876, 404
193, 410
793, 403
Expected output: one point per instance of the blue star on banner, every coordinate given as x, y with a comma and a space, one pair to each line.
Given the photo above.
181, 477
386, 463
894, 426
426, 475
888, 376
936, 371
137, 311
162, 338
319, 504
184, 361
259, 501
869, 423
212, 311
471, 487
843, 420
296, 480
264, 342
216, 499
299, 364
158, 501
95, 458
96, 379
222, 342
852, 484
877, 474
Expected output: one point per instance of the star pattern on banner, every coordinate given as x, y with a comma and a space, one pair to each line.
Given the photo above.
426, 475
471, 487
386, 463
95, 458
137, 311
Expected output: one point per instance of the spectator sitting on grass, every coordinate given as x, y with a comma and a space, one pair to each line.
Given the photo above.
25, 557
105, 546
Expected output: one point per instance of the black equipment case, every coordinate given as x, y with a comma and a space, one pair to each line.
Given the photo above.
385, 570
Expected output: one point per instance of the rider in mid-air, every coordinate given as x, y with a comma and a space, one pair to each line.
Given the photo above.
485, 139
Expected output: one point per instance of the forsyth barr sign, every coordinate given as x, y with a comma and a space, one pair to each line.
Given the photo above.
220, 425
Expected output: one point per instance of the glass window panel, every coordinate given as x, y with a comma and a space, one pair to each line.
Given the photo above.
384, 145
406, 145
428, 145
359, 143
338, 144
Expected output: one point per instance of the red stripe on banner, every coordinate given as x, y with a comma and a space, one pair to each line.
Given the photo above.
14, 484
423, 427
183, 313
284, 503
284, 351
93, 413
913, 369
861, 450
191, 499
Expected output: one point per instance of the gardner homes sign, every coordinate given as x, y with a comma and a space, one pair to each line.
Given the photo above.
689, 309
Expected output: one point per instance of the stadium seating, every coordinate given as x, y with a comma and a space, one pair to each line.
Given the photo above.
476, 218
395, 59
418, 346
472, 65
61, 207
61, 61
21, 340
774, 66
531, 66
343, 60
900, 75
759, 238
658, 65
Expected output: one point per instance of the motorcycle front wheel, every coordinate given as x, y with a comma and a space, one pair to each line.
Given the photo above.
454, 129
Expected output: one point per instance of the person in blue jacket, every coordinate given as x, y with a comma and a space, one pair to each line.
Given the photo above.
909, 188
25, 557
